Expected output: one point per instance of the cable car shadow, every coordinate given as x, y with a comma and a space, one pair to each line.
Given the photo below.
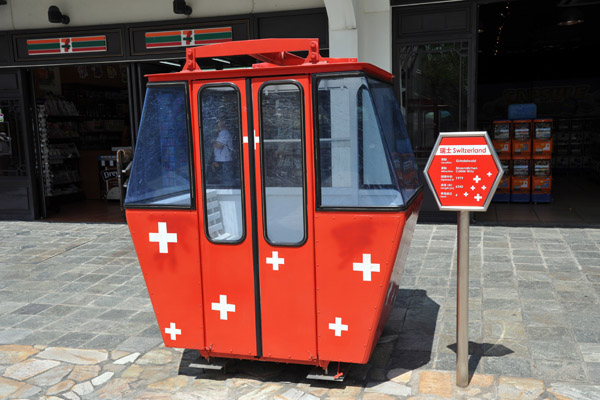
405, 344
414, 321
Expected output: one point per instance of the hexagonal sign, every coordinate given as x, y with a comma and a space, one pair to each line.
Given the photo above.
463, 171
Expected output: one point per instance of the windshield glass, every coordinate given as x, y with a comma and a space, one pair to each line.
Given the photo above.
355, 170
396, 137
160, 175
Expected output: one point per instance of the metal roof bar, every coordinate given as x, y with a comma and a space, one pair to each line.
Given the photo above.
274, 51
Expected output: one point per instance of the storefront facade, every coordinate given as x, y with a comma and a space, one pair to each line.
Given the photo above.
458, 66
71, 96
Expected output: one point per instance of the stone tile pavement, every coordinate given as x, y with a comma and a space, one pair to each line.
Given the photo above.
76, 322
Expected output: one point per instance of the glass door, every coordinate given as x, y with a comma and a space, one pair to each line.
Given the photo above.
433, 85
229, 285
285, 217
257, 253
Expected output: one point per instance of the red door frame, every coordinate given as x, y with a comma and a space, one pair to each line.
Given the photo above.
288, 299
274, 306
227, 268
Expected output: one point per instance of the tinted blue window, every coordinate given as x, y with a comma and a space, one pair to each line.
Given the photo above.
396, 137
160, 175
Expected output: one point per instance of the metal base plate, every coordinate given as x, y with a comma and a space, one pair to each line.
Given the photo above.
333, 373
215, 364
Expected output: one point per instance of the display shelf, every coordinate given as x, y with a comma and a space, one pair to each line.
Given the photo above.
60, 166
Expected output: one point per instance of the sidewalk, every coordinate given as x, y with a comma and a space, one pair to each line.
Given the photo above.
76, 322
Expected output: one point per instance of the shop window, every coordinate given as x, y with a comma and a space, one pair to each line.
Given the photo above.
282, 155
355, 167
220, 134
160, 175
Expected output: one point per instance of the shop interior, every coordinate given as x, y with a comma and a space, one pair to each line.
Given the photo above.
83, 114
542, 53
83, 119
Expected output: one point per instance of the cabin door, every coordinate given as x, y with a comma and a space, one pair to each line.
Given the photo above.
253, 145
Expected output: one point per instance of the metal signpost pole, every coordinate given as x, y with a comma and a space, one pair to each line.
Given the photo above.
462, 300
463, 173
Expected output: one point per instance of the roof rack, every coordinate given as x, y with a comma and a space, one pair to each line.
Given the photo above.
273, 51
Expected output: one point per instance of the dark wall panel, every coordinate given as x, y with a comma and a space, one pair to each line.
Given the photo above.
14, 198
309, 25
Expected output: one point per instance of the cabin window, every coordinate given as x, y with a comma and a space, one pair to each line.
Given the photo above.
160, 174
220, 133
396, 137
282, 155
355, 164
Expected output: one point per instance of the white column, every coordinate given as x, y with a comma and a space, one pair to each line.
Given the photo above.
374, 18
361, 29
343, 33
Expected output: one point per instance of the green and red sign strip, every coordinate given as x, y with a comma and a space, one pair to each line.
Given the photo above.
82, 44
188, 37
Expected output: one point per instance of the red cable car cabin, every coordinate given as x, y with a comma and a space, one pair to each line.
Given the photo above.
272, 208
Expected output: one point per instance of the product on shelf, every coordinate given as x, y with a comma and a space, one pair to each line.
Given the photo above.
542, 139
501, 139
502, 194
541, 181
520, 181
521, 143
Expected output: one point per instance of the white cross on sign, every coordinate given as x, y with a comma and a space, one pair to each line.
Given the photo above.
366, 267
478, 197
338, 327
275, 260
173, 331
256, 140
489, 174
223, 307
477, 179
163, 237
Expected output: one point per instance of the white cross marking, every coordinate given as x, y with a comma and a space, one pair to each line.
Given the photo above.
274, 260
466, 194
256, 139
489, 174
173, 331
472, 187
483, 187
163, 237
366, 267
338, 327
223, 307
478, 197
477, 179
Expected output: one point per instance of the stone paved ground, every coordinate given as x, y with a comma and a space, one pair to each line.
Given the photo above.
76, 322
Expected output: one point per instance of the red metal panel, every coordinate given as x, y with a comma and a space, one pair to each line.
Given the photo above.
166, 243
227, 269
355, 255
406, 231
287, 277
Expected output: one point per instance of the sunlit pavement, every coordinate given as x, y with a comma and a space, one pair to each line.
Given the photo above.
76, 322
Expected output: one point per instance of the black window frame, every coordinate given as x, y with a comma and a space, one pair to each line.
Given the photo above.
262, 169
241, 163
316, 137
